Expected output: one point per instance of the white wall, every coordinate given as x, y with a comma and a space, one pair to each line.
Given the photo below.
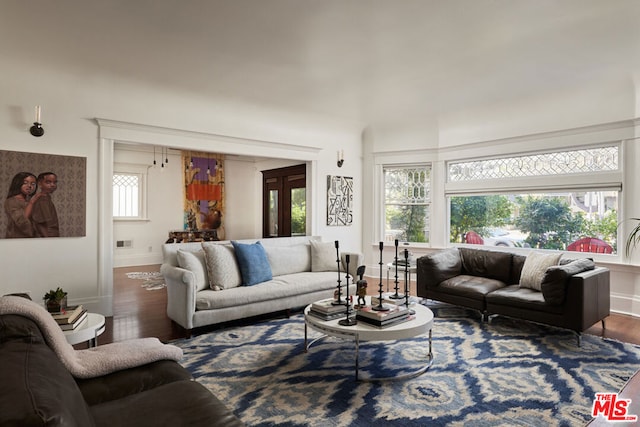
70, 103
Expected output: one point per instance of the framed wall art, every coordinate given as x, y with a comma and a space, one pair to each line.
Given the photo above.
339, 200
204, 201
44, 195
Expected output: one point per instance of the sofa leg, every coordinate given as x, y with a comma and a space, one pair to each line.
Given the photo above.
603, 328
579, 338
485, 316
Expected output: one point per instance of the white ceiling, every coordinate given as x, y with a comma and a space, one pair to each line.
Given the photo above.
367, 61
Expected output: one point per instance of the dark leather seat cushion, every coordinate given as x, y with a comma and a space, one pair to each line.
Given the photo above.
470, 286
180, 403
526, 298
130, 381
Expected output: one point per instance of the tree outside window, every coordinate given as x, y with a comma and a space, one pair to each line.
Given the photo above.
407, 199
536, 220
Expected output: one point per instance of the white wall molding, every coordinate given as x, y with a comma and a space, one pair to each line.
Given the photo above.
194, 140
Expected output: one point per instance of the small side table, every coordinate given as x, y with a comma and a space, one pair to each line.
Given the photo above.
413, 268
88, 330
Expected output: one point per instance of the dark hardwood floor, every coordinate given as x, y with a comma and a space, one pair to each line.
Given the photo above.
138, 312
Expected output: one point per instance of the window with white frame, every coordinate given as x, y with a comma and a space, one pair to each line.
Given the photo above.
407, 198
128, 193
565, 200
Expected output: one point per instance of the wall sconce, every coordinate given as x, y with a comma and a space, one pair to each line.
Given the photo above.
340, 158
36, 129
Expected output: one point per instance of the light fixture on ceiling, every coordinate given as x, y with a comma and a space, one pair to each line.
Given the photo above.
340, 158
36, 129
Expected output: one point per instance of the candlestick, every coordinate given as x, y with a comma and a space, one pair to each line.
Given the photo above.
380, 306
348, 321
338, 293
396, 295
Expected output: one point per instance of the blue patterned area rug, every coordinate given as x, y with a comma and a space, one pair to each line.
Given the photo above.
504, 372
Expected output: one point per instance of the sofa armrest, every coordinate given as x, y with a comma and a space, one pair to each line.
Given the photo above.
437, 267
181, 294
356, 259
588, 298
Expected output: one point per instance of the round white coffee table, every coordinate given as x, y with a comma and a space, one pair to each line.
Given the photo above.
88, 330
420, 324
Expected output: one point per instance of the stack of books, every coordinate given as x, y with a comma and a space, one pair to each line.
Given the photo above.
383, 319
71, 317
326, 310
387, 300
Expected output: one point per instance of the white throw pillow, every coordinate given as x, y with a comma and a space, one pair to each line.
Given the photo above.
289, 259
535, 265
222, 267
323, 256
194, 262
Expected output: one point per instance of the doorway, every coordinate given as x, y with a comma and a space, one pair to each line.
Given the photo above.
284, 199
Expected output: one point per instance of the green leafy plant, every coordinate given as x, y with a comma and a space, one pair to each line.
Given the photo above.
634, 237
55, 296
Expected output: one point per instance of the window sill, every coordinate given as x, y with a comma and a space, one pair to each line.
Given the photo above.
123, 219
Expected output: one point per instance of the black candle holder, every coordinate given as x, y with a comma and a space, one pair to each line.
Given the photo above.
406, 281
395, 261
338, 294
348, 321
380, 306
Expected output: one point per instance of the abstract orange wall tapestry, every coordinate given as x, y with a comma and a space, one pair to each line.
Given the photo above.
204, 193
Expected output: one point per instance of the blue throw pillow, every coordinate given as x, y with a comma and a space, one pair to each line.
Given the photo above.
253, 262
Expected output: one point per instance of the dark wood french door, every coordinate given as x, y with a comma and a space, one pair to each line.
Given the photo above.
284, 201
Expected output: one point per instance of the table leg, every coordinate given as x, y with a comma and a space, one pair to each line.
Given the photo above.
409, 375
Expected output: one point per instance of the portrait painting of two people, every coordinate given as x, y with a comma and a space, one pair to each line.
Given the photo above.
45, 195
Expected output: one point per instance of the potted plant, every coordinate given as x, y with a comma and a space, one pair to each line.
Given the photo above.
634, 237
55, 300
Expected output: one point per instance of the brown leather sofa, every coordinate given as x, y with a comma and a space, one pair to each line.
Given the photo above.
574, 294
37, 390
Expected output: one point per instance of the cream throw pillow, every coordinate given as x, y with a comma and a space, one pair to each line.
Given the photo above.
323, 256
194, 262
535, 267
222, 267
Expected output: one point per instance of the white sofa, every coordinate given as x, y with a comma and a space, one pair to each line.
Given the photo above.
203, 288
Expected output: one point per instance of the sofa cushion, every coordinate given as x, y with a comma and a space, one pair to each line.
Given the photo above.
289, 259
556, 277
517, 262
36, 388
323, 256
194, 262
442, 265
517, 297
491, 264
535, 267
130, 381
285, 286
180, 403
474, 287
253, 262
222, 268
